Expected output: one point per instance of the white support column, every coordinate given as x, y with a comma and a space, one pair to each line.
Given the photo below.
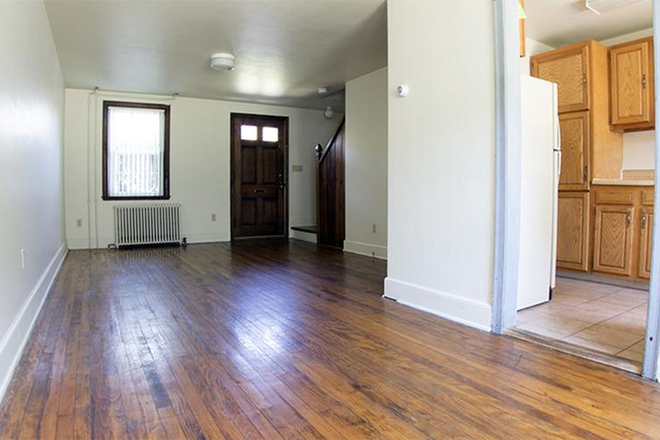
508, 165
652, 349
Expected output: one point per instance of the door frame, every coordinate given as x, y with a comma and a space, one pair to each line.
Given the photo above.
506, 253
285, 168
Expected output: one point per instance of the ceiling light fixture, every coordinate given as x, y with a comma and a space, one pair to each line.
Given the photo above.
329, 113
601, 6
223, 61
323, 90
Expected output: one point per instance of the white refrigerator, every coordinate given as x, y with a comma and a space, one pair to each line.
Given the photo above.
541, 161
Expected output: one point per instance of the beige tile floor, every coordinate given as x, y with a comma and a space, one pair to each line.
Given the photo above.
601, 317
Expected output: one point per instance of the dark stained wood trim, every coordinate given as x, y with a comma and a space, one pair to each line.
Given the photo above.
166, 159
331, 191
332, 141
234, 188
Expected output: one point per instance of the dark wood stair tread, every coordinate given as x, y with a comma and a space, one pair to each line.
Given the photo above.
308, 229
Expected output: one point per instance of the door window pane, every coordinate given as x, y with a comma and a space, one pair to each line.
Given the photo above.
249, 132
271, 134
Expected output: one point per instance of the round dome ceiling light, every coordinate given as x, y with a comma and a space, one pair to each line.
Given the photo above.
223, 61
329, 113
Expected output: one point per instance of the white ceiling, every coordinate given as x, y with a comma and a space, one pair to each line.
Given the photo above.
561, 22
285, 49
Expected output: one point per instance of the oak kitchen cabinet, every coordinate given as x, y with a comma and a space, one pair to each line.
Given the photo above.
632, 85
575, 148
622, 232
646, 235
590, 149
573, 227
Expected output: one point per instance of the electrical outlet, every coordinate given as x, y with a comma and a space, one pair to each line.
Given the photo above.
373, 228
22, 258
213, 217
79, 223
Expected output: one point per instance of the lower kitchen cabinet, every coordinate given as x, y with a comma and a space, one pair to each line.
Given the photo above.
622, 231
573, 230
646, 242
613, 239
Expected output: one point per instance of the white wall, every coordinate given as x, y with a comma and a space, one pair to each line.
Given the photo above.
31, 111
638, 147
200, 164
366, 165
442, 158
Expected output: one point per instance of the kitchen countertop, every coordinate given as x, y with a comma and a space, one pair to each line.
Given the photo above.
618, 182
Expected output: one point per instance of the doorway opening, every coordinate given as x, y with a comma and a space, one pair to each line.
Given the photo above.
587, 187
259, 157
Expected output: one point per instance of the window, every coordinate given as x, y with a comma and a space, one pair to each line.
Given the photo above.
135, 151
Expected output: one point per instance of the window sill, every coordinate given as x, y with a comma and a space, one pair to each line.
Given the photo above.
133, 199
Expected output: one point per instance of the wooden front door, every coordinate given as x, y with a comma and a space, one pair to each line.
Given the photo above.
258, 175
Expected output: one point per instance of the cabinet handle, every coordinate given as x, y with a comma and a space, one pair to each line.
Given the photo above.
584, 80
643, 220
586, 173
644, 81
628, 220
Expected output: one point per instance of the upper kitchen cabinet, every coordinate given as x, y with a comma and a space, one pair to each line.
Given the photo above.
575, 148
568, 67
632, 85
590, 149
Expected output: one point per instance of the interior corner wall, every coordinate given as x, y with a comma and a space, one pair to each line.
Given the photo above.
31, 118
366, 165
441, 179
199, 165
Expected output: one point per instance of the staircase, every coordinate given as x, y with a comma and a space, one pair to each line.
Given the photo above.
330, 191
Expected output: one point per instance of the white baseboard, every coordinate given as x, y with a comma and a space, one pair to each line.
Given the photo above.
366, 249
210, 237
304, 236
14, 341
462, 310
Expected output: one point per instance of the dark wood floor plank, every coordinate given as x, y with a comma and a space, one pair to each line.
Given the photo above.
284, 340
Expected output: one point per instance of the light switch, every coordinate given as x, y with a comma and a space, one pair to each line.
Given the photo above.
297, 168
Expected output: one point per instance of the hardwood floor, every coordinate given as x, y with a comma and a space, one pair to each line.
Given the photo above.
276, 340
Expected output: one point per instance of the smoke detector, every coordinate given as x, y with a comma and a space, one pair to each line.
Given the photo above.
601, 6
223, 61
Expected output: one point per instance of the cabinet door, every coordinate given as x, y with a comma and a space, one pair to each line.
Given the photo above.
575, 144
646, 243
631, 83
572, 231
569, 69
613, 239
